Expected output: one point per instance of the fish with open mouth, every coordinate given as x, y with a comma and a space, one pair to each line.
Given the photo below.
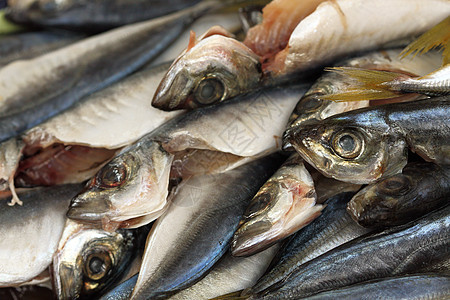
31, 232
132, 189
419, 189
283, 205
364, 145
88, 260
328, 31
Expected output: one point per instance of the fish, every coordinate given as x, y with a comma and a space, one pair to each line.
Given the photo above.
79, 69
283, 205
27, 45
367, 144
400, 198
420, 286
228, 275
88, 259
310, 47
31, 232
330, 230
90, 16
413, 247
247, 127
187, 240
122, 291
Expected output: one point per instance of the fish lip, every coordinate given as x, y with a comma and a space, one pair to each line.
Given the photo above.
87, 209
249, 238
71, 287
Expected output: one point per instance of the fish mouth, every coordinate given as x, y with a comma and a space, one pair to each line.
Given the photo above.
67, 283
251, 238
86, 209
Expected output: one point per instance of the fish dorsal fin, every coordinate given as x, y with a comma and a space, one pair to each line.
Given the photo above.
216, 30
438, 36
365, 84
192, 41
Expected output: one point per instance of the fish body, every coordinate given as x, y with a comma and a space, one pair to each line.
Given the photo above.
419, 189
426, 286
122, 291
88, 260
31, 232
414, 247
91, 16
330, 230
364, 145
187, 239
28, 96
283, 205
31, 44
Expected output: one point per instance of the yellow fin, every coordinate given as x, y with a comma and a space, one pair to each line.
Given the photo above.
364, 84
438, 36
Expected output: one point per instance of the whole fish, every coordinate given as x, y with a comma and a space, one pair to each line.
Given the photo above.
367, 144
283, 205
28, 96
135, 183
414, 247
229, 274
31, 232
419, 189
31, 44
426, 286
88, 260
329, 31
187, 239
330, 230
90, 15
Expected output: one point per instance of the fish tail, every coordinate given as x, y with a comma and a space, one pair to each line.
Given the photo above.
232, 296
365, 84
438, 36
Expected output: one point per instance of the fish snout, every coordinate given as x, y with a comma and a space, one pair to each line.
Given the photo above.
250, 239
88, 208
67, 282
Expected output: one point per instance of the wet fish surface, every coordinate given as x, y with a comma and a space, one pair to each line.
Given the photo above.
426, 286
28, 96
31, 232
419, 189
364, 145
330, 230
91, 16
415, 247
187, 240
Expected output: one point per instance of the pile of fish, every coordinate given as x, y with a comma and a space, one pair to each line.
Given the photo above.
293, 150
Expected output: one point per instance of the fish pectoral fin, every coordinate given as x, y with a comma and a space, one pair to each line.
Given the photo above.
365, 84
438, 36
231, 296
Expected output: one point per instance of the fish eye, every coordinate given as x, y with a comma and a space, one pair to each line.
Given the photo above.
397, 185
97, 265
347, 144
112, 176
209, 90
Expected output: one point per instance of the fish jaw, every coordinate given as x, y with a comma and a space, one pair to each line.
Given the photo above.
283, 205
379, 155
215, 69
137, 197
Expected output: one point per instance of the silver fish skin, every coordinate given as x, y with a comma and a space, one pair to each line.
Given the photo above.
31, 44
283, 205
28, 96
414, 247
400, 198
229, 274
31, 232
330, 230
187, 239
414, 287
88, 260
91, 16
367, 144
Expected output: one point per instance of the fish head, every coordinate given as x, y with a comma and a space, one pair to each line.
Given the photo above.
129, 191
377, 204
89, 260
348, 152
282, 206
215, 69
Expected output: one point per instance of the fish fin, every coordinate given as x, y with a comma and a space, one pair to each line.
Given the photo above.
216, 29
438, 36
232, 296
192, 41
365, 84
